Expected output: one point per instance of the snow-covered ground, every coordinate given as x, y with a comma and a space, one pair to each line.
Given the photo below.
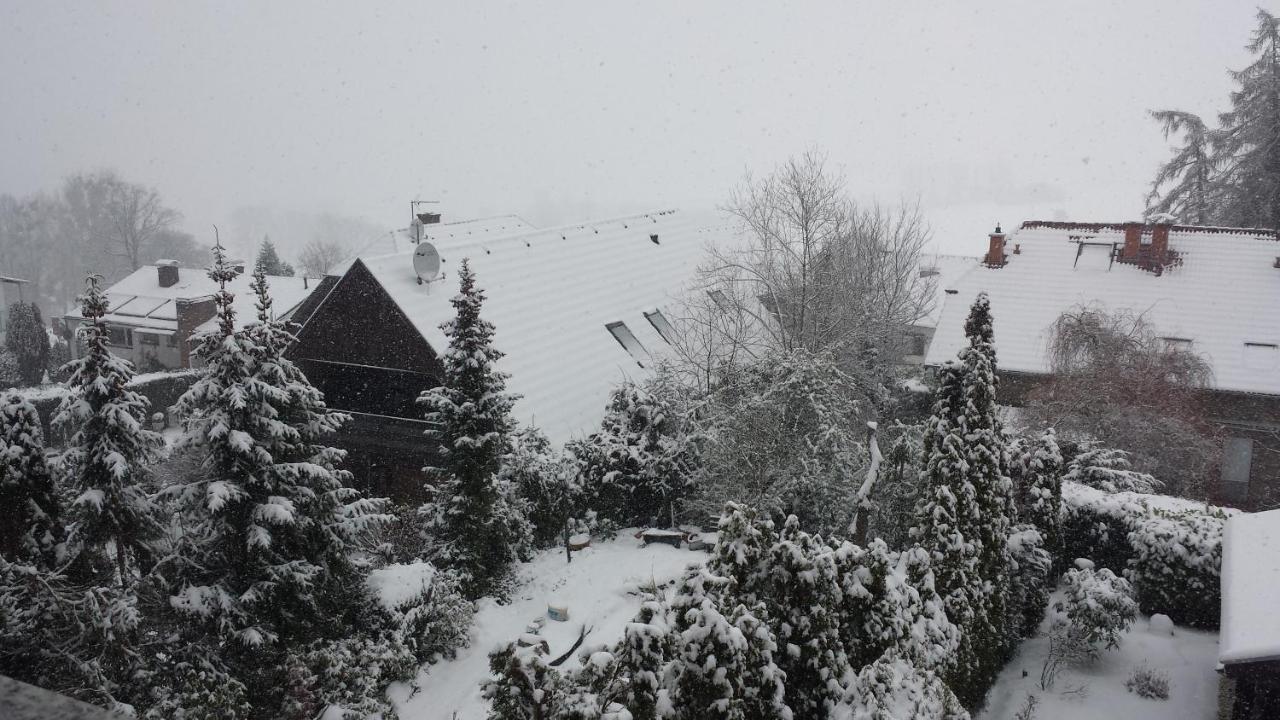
600, 590
1098, 691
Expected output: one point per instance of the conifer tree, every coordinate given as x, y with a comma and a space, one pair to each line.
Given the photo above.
275, 524
269, 261
28, 340
1190, 170
711, 666
743, 542
1247, 142
30, 522
476, 528
1041, 475
108, 454
642, 658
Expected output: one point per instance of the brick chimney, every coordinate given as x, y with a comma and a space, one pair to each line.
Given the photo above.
1132, 240
167, 272
191, 314
995, 249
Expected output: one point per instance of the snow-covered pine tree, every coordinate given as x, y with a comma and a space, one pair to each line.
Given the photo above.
523, 686
804, 615
1247, 142
28, 339
30, 518
1041, 490
267, 557
1029, 575
743, 541
764, 690
1190, 171
471, 520
647, 644
111, 448
1108, 470
710, 667
638, 466
269, 261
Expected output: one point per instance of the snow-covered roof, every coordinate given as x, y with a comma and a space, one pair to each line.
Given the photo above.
1250, 586
946, 271
139, 301
1223, 296
551, 295
395, 241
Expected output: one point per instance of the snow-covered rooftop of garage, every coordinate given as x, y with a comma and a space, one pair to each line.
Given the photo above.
552, 295
1224, 297
1250, 586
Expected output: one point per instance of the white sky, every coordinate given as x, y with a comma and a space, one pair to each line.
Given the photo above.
562, 111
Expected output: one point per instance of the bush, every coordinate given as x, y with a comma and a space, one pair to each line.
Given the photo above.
1029, 579
1148, 683
1097, 608
423, 609
1170, 549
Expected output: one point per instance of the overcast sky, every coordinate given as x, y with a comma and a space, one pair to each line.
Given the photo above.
564, 111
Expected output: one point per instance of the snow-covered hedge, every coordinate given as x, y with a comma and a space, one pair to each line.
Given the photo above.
1169, 548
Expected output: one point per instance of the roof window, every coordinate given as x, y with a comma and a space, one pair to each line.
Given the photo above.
720, 299
659, 323
1176, 343
628, 341
1261, 356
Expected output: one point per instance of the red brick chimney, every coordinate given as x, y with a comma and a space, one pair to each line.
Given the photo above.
1160, 242
167, 272
995, 249
191, 314
1132, 240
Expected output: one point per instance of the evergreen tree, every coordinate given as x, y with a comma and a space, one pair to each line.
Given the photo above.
474, 526
111, 448
269, 262
267, 558
1247, 143
30, 527
1041, 489
1029, 570
803, 612
642, 658
710, 668
743, 542
28, 340
1190, 171
524, 686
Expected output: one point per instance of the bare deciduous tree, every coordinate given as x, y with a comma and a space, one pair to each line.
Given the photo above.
134, 216
320, 255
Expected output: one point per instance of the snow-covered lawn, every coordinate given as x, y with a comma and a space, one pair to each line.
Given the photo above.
1098, 691
599, 588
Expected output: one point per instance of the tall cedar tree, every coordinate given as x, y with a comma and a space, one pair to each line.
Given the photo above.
111, 448
1190, 171
1041, 473
269, 261
469, 517
28, 340
1247, 141
274, 522
987, 462
30, 527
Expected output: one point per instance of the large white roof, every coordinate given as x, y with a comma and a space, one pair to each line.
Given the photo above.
139, 301
396, 241
550, 294
946, 271
1224, 297
1250, 586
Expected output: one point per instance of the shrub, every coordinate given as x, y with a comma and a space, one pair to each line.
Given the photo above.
1149, 683
1097, 608
421, 608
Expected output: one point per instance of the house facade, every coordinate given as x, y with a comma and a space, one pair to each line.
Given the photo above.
1214, 291
153, 313
577, 309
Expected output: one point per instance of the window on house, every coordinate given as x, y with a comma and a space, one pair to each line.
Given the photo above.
928, 272
659, 323
1261, 356
628, 341
171, 341
119, 336
916, 344
1176, 343
1237, 461
148, 339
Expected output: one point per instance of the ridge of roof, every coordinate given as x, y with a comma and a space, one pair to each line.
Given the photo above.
1260, 233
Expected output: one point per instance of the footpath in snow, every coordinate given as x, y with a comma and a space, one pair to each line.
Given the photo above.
1097, 691
600, 588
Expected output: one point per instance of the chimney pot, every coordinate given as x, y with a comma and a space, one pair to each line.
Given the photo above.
167, 272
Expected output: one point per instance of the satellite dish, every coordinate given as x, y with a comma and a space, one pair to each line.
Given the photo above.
426, 262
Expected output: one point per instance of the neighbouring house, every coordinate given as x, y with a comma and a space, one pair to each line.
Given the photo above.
10, 293
1249, 646
577, 309
1215, 291
942, 271
154, 312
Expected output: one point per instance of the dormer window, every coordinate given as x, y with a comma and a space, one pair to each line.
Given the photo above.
628, 341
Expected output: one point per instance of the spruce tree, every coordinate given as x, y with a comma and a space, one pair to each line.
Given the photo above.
743, 542
470, 518
268, 557
1247, 142
710, 667
1041, 474
30, 522
269, 261
642, 658
108, 455
28, 340
1190, 171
